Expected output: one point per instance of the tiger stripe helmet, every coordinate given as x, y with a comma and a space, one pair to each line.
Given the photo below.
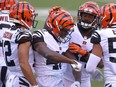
7, 4
108, 15
58, 20
91, 8
24, 14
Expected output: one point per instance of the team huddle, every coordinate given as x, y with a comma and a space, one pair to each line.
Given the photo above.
64, 53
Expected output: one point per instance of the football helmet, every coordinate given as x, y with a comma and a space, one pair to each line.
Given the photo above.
108, 15
88, 15
24, 14
7, 4
60, 23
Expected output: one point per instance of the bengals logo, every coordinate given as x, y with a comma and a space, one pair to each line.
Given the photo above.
84, 42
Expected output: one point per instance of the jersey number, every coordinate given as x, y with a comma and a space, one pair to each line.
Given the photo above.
56, 66
8, 53
111, 48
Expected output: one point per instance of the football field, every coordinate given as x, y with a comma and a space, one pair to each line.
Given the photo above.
43, 6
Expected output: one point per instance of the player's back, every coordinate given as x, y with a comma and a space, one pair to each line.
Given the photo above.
11, 40
4, 17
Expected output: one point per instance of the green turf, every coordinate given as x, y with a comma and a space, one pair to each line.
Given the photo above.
97, 83
68, 5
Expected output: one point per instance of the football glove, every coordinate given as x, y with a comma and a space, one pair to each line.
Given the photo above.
75, 84
77, 66
75, 48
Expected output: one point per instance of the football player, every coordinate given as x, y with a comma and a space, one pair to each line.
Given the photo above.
5, 6
88, 16
48, 45
17, 47
104, 42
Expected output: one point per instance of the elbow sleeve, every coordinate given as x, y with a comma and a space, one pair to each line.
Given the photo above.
92, 63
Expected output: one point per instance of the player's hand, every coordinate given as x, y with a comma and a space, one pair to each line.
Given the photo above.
97, 75
75, 48
76, 65
75, 84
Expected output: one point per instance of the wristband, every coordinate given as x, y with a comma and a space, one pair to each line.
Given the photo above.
77, 66
35, 86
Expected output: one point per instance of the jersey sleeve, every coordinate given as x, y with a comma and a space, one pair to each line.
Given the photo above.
23, 36
37, 37
95, 38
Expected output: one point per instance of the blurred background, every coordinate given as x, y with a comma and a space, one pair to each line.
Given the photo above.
43, 7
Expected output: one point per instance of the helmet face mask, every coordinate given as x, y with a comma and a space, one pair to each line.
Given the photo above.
60, 23
87, 20
65, 35
88, 15
35, 22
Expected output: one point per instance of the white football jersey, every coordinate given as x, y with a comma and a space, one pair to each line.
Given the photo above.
84, 42
45, 66
4, 17
107, 40
11, 39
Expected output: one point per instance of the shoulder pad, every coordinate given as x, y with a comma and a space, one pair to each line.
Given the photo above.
37, 37
95, 38
23, 36
37, 33
7, 25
